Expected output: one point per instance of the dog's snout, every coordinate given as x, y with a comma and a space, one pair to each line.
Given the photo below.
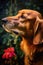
4, 21
16, 23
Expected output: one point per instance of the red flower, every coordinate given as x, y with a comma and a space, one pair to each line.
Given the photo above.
11, 49
9, 53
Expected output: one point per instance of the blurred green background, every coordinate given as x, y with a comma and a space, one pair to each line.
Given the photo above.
9, 8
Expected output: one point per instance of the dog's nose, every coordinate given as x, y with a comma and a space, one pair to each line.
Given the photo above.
4, 20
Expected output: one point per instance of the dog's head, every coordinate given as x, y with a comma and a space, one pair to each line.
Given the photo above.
25, 23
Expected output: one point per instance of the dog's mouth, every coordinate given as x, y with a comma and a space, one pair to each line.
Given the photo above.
13, 28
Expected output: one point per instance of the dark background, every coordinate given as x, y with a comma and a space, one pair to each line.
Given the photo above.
11, 7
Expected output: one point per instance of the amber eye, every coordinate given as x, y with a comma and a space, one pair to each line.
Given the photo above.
28, 13
22, 16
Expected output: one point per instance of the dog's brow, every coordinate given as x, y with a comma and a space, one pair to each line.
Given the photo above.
28, 13
22, 16
15, 19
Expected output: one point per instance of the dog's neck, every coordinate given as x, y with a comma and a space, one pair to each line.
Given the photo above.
28, 43
27, 47
28, 39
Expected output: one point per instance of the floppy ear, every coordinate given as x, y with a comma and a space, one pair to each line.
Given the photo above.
38, 38
37, 22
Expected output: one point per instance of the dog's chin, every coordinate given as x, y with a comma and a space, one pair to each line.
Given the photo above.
6, 28
15, 31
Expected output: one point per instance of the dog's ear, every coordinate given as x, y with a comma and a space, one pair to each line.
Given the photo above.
38, 38
36, 24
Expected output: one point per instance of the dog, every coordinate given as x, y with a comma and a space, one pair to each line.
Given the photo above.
29, 25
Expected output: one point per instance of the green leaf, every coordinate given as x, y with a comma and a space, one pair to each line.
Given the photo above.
1, 29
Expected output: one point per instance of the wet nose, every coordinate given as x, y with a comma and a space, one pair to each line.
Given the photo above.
4, 21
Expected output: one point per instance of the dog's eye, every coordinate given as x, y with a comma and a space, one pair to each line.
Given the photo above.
28, 13
22, 16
